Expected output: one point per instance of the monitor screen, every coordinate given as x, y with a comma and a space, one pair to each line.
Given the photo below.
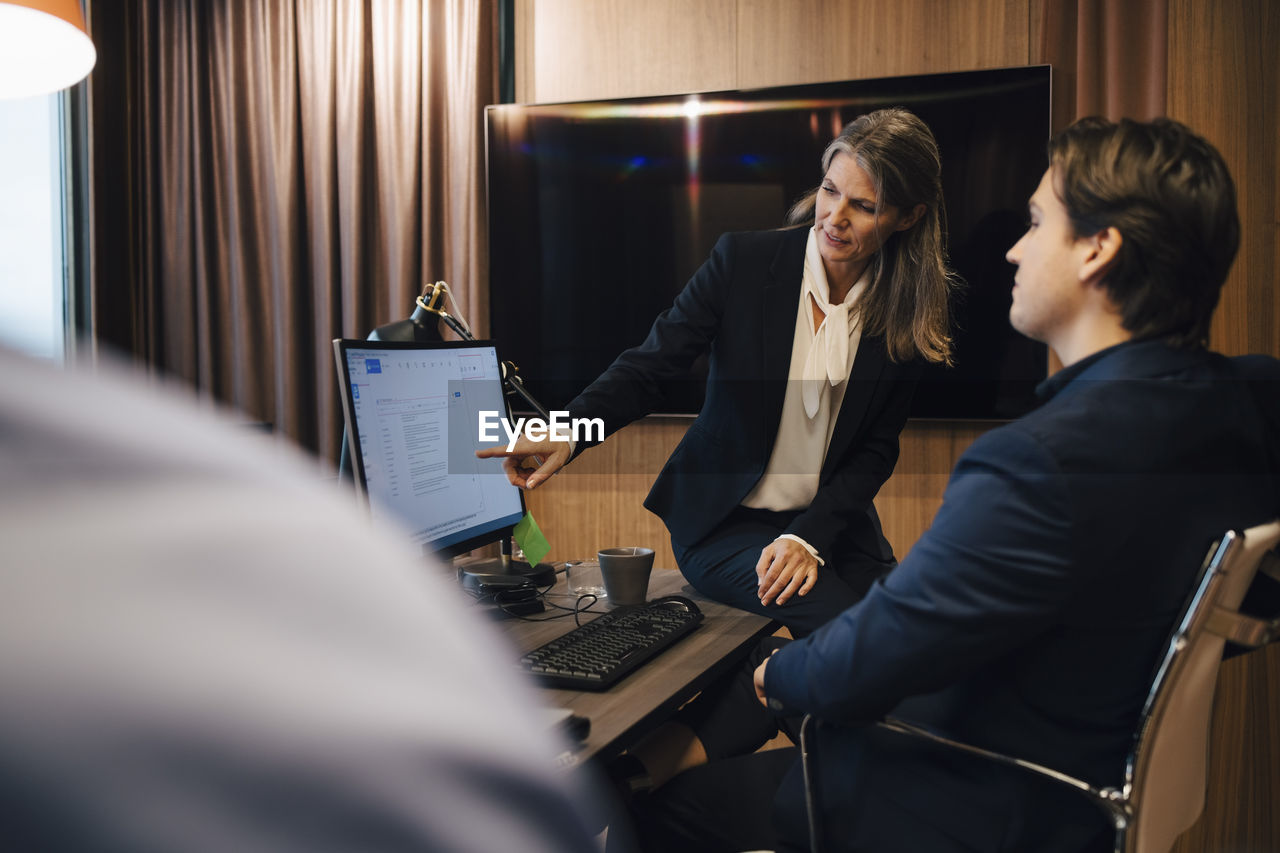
600, 212
413, 412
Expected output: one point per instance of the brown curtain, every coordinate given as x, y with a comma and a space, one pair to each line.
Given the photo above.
268, 176
1109, 57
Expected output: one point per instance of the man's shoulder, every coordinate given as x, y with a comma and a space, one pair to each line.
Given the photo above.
1261, 375
1122, 413
1023, 446
1256, 367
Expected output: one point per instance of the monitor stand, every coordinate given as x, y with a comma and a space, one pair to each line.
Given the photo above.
506, 570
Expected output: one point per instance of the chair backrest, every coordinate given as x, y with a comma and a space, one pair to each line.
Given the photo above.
1166, 771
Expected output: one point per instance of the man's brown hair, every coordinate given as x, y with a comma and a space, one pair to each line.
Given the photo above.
1169, 194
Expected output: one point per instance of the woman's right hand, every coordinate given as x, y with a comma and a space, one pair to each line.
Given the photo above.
785, 568
529, 463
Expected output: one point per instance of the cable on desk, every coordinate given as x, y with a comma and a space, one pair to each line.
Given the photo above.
509, 607
576, 611
578, 608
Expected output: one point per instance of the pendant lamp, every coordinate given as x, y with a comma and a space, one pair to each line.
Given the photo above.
44, 47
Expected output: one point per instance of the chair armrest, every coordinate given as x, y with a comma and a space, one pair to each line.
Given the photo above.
1105, 795
1241, 629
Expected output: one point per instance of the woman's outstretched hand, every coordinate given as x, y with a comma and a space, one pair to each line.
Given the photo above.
529, 463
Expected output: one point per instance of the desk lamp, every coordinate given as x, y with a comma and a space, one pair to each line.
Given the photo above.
433, 296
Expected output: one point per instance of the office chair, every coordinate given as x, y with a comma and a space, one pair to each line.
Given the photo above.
1162, 794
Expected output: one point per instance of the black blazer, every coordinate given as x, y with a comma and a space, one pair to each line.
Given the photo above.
740, 308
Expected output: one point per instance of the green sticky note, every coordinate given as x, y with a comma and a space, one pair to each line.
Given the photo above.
530, 539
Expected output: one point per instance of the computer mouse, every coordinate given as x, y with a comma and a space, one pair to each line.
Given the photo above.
676, 602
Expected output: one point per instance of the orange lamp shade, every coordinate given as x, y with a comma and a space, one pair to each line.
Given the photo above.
44, 47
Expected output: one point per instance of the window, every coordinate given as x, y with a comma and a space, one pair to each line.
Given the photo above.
32, 246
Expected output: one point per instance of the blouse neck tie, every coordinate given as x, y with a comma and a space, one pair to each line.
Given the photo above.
828, 357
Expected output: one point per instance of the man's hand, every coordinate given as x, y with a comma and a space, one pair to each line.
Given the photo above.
529, 463
785, 568
758, 679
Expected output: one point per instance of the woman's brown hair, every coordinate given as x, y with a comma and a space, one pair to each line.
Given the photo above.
908, 301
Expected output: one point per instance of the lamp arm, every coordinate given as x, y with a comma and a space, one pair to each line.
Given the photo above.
432, 296
515, 386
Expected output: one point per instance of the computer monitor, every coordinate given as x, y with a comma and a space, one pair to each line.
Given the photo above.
413, 412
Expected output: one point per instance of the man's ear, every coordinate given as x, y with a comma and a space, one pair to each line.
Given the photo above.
911, 217
1101, 251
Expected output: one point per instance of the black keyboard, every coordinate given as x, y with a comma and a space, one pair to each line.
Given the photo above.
595, 656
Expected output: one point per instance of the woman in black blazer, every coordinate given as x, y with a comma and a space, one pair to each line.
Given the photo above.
815, 336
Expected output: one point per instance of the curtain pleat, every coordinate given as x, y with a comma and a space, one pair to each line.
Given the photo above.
278, 169
1109, 58
397, 85
341, 274
271, 175
460, 73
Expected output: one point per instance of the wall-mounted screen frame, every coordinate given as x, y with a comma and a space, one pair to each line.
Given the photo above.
600, 211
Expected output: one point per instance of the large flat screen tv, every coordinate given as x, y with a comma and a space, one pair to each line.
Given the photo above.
600, 211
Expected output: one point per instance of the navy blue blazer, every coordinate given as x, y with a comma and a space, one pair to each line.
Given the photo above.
1029, 617
740, 309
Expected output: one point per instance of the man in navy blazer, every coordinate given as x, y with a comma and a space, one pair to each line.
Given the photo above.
1029, 617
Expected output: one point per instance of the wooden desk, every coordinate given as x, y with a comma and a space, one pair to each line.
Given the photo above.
640, 702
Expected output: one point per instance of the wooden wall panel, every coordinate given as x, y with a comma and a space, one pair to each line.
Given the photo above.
582, 50
1223, 82
809, 41
908, 502
597, 502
